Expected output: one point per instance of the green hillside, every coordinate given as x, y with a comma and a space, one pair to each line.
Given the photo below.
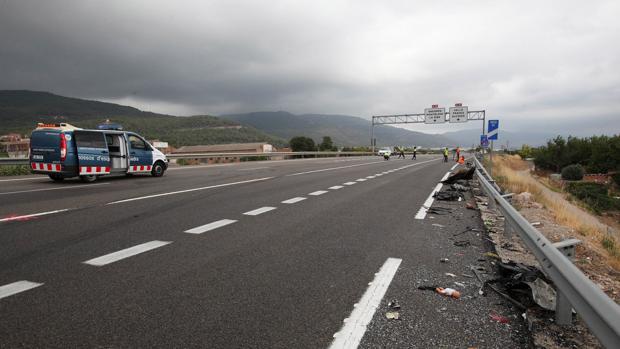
21, 110
344, 130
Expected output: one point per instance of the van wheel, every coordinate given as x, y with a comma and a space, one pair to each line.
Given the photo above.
88, 179
56, 177
158, 169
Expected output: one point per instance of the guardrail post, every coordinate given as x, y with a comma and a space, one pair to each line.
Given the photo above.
563, 308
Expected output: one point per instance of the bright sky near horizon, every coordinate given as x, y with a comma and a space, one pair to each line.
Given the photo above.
536, 65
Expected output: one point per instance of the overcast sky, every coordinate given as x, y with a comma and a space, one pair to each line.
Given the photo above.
543, 65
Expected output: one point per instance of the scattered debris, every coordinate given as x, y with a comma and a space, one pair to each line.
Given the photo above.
459, 187
439, 210
462, 243
462, 174
438, 225
467, 275
392, 315
467, 230
393, 304
444, 260
499, 318
460, 284
451, 275
536, 224
471, 206
447, 195
491, 255
449, 292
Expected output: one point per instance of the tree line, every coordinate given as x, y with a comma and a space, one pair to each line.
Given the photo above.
596, 154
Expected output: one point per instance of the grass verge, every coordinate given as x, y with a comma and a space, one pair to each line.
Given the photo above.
511, 173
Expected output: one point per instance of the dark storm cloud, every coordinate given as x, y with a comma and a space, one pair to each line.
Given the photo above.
519, 60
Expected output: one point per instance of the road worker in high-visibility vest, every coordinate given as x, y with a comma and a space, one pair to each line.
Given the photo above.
445, 154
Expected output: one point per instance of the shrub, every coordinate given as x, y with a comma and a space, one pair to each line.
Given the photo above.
616, 178
14, 170
594, 195
572, 172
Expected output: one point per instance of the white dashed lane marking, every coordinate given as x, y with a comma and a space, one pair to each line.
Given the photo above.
336, 187
213, 225
318, 192
361, 180
126, 253
293, 200
354, 327
17, 287
349, 183
259, 211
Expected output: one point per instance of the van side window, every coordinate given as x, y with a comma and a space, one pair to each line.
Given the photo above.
136, 143
90, 139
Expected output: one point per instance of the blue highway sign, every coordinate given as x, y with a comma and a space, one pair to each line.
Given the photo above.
493, 130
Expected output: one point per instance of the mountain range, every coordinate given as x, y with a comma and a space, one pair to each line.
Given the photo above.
20, 110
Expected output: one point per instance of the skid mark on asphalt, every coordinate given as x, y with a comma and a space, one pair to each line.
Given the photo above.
17, 287
355, 325
126, 253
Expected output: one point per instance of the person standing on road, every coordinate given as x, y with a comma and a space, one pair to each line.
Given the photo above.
445, 154
402, 153
415, 150
458, 153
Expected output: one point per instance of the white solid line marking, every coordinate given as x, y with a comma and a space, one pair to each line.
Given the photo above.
126, 253
57, 188
336, 187
19, 218
453, 167
17, 287
354, 328
253, 168
333, 168
259, 211
188, 190
293, 200
213, 225
361, 179
318, 192
445, 177
22, 179
349, 183
428, 203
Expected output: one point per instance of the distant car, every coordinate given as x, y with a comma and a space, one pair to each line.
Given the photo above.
384, 151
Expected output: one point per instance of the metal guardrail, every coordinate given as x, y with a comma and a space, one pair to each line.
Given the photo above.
25, 161
13, 161
573, 289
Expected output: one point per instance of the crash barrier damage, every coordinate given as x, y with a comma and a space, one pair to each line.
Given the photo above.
574, 291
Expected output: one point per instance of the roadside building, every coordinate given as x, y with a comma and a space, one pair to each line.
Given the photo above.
14, 145
229, 149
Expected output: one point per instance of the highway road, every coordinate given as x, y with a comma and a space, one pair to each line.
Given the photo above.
271, 254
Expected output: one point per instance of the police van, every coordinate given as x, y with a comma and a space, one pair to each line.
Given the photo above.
62, 151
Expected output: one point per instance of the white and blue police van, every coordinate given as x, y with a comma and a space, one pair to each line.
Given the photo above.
62, 151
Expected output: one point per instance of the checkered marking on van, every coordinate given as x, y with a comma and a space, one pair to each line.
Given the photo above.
94, 170
40, 166
140, 168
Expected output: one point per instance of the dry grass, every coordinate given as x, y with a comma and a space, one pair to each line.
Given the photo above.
511, 172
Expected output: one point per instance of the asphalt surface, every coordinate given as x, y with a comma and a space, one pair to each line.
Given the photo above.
284, 278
